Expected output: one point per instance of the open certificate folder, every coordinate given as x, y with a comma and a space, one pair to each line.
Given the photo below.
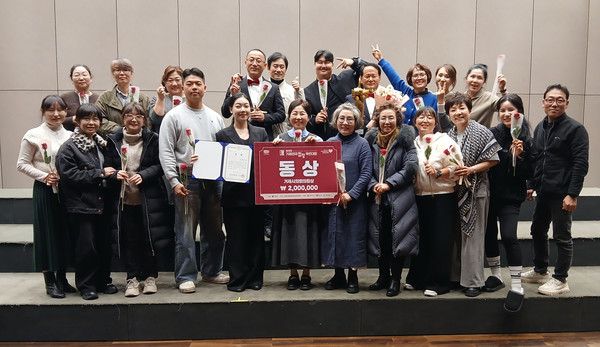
221, 161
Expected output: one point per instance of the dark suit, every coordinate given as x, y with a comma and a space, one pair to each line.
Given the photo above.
366, 114
337, 88
243, 220
272, 105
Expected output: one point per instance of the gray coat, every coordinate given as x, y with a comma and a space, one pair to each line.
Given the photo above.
400, 169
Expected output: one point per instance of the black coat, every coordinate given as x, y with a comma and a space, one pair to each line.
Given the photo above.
158, 214
81, 179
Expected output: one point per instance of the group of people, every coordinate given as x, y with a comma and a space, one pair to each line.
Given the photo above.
426, 179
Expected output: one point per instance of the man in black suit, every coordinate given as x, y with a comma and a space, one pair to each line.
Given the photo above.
329, 91
265, 100
370, 77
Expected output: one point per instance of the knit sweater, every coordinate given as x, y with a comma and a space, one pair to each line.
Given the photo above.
31, 155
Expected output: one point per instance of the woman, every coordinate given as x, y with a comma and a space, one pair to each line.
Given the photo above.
445, 80
277, 65
344, 244
112, 101
169, 94
415, 86
507, 193
479, 150
438, 158
484, 103
81, 76
141, 218
296, 228
393, 223
37, 159
245, 245
79, 163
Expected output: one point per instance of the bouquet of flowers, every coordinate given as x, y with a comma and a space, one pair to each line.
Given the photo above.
359, 95
381, 172
516, 123
389, 94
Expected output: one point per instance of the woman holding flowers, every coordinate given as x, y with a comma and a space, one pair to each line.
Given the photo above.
393, 223
81, 76
479, 150
141, 218
168, 95
296, 228
245, 245
80, 166
344, 243
438, 156
37, 159
507, 193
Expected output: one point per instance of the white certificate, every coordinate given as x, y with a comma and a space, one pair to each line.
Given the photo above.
236, 163
221, 161
210, 156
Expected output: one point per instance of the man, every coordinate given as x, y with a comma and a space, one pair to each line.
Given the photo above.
370, 77
277, 65
196, 200
265, 100
329, 91
562, 163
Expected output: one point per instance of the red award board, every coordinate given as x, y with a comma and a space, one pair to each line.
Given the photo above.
296, 172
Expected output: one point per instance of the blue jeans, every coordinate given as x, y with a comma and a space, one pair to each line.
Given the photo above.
546, 210
204, 209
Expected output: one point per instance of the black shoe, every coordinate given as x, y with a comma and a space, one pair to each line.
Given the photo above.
393, 288
293, 283
236, 289
336, 282
90, 295
255, 286
110, 289
305, 283
63, 284
52, 288
493, 284
472, 292
380, 284
514, 301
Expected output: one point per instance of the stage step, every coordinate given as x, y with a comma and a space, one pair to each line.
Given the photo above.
212, 312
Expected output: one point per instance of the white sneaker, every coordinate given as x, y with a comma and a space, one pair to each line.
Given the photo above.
554, 287
187, 287
430, 293
408, 286
531, 276
150, 286
133, 287
219, 279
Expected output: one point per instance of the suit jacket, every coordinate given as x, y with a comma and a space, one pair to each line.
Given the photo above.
72, 100
240, 194
367, 114
272, 105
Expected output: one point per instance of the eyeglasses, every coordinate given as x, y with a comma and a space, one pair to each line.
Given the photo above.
387, 120
559, 101
136, 116
123, 70
419, 75
84, 75
348, 120
174, 80
254, 60
426, 116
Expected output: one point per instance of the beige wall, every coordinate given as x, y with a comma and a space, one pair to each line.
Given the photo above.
546, 41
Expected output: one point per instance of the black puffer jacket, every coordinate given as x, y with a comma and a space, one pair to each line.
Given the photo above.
158, 214
508, 183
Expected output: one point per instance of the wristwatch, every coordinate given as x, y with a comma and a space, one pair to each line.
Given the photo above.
438, 174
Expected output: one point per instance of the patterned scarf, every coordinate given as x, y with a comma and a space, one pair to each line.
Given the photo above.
478, 145
84, 143
384, 141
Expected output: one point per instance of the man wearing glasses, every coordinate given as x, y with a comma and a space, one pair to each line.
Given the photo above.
562, 145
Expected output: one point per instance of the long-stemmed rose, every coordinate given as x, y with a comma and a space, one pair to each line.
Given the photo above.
266, 88
183, 180
124, 168
83, 98
455, 158
134, 94
382, 156
427, 155
48, 161
516, 123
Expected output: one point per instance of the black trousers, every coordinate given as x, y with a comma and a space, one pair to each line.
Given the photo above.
245, 245
430, 269
508, 214
137, 244
387, 260
92, 251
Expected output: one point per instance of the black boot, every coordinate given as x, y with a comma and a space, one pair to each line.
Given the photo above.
63, 284
352, 281
51, 286
393, 288
337, 281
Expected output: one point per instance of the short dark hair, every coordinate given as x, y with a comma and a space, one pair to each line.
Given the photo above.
88, 110
325, 54
428, 110
169, 70
50, 100
482, 67
300, 102
193, 71
514, 99
362, 69
276, 56
559, 87
451, 73
389, 106
457, 98
133, 106
78, 65
236, 96
257, 50
418, 66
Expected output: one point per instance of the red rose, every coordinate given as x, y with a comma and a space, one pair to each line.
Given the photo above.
446, 152
383, 151
124, 150
388, 97
517, 115
452, 148
183, 167
133, 89
82, 95
428, 139
44, 146
176, 102
265, 87
321, 82
298, 133
188, 132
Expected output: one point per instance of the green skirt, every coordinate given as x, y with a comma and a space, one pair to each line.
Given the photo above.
51, 245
